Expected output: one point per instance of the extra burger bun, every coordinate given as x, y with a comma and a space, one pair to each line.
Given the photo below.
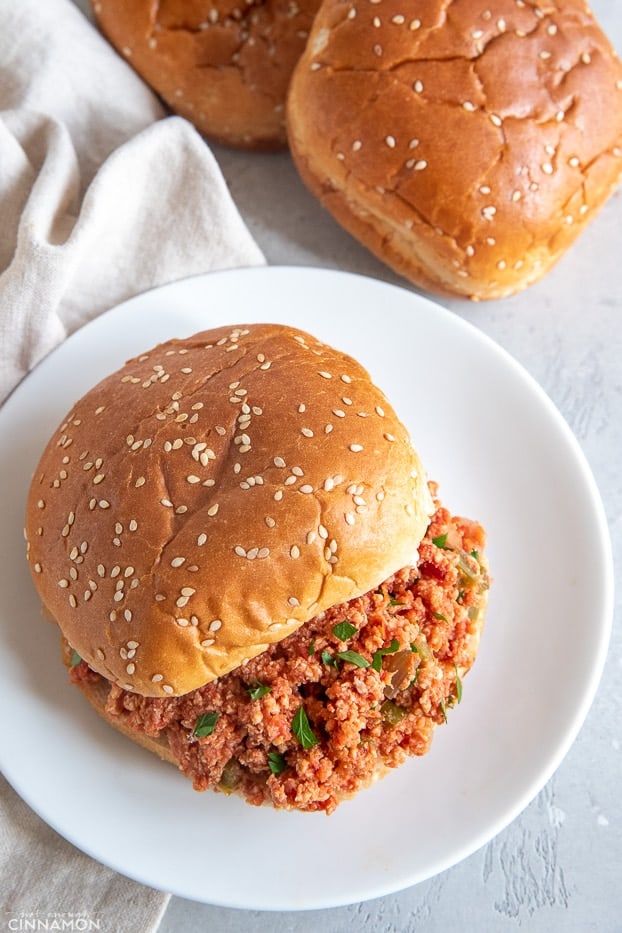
224, 65
213, 495
467, 145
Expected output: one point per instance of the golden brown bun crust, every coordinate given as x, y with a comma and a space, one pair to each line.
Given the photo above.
212, 496
223, 64
467, 145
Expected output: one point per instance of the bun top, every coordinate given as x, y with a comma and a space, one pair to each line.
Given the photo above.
466, 144
213, 495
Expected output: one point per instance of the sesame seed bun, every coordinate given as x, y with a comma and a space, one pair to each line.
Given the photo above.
225, 66
466, 145
212, 496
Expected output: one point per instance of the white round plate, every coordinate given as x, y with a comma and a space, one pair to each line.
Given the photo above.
501, 453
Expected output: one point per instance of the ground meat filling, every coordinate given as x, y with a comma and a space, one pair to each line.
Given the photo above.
352, 693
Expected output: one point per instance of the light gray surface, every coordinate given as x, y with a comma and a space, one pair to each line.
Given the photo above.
558, 867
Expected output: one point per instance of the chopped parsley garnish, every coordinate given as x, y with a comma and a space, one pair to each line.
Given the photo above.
344, 630
257, 690
379, 655
475, 554
440, 617
443, 710
353, 657
458, 685
311, 648
441, 542
205, 725
329, 659
301, 728
276, 762
396, 602
75, 659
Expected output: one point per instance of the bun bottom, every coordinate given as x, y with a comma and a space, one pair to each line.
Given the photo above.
97, 692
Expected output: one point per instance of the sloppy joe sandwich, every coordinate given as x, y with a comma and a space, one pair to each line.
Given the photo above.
466, 144
252, 574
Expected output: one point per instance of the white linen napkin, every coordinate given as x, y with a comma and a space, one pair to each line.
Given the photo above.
101, 197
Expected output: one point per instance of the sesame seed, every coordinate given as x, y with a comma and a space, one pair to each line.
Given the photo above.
355, 448
167, 688
418, 86
495, 119
306, 488
420, 165
414, 24
182, 622
239, 550
213, 509
294, 552
488, 212
390, 141
307, 432
263, 552
322, 531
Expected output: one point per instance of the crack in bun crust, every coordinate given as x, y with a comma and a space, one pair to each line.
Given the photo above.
223, 65
465, 144
214, 494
